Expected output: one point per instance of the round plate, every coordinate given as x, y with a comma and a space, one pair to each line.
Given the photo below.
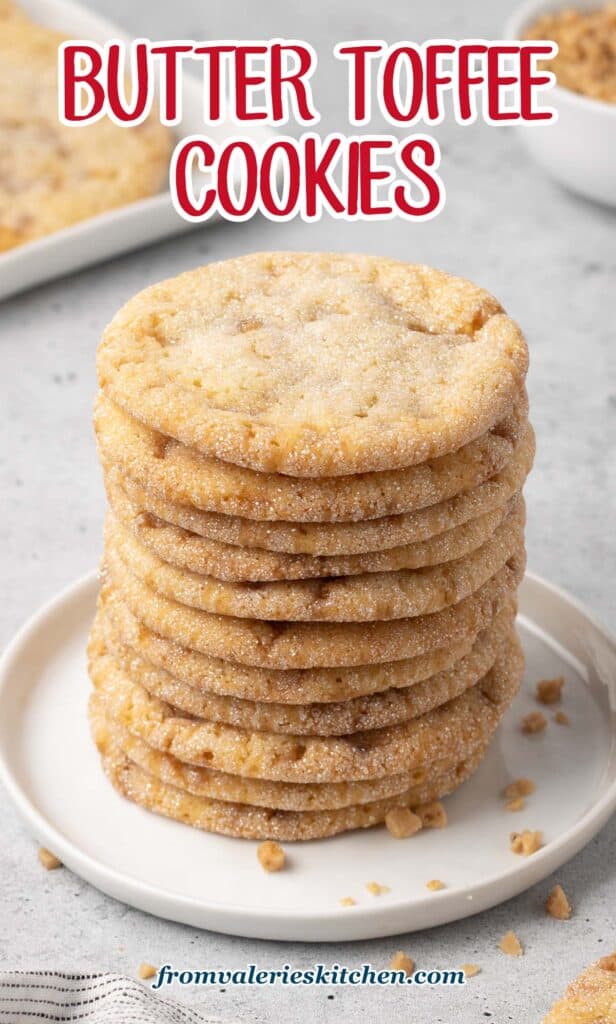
51, 770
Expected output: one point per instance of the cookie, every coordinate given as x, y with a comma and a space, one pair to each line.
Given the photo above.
314, 364
285, 796
367, 597
247, 822
53, 175
286, 686
332, 719
591, 998
235, 564
181, 475
466, 721
285, 645
343, 538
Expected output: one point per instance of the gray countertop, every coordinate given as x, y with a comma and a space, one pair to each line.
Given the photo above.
550, 258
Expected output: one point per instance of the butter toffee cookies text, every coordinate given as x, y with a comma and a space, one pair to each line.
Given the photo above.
346, 176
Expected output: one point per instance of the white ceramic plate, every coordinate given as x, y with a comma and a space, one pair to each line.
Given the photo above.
117, 231
51, 770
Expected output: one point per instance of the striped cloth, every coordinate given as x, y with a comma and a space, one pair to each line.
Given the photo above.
30, 996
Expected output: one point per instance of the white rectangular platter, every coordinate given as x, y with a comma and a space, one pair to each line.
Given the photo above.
120, 230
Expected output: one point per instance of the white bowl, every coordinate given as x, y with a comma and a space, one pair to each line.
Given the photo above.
579, 149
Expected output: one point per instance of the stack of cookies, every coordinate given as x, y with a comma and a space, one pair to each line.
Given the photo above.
314, 466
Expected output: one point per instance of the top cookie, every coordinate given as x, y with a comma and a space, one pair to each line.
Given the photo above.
315, 364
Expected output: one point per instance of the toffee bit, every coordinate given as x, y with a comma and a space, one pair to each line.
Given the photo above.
557, 904
377, 889
432, 815
402, 962
519, 787
533, 723
511, 945
49, 860
525, 842
271, 856
549, 691
402, 823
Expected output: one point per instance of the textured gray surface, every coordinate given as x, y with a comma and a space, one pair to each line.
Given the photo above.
551, 259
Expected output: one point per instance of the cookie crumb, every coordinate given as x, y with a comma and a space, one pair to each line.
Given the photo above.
147, 971
348, 901
48, 859
435, 885
525, 842
376, 889
549, 691
557, 904
432, 815
470, 970
519, 787
608, 963
535, 722
511, 945
402, 962
518, 803
402, 823
271, 856
562, 718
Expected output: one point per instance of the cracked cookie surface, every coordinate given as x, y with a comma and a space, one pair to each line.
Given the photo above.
315, 364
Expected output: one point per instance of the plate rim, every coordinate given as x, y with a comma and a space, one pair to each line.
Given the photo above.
364, 922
